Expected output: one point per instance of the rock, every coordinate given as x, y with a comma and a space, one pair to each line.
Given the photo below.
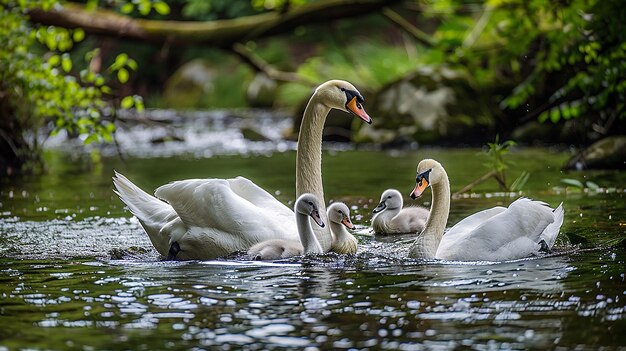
252, 134
186, 87
429, 105
608, 153
133, 253
167, 138
201, 83
534, 131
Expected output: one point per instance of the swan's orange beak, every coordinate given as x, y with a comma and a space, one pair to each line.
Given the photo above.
346, 221
421, 185
355, 107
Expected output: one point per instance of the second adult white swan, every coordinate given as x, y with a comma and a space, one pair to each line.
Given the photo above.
497, 234
208, 218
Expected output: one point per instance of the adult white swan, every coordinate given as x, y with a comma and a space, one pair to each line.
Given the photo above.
208, 218
523, 229
307, 205
391, 218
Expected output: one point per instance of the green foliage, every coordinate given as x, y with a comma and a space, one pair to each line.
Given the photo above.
144, 7
566, 59
275, 4
496, 153
41, 83
499, 163
215, 9
580, 186
579, 48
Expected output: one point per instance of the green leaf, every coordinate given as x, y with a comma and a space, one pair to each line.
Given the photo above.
91, 5
66, 62
592, 186
106, 136
91, 138
132, 64
122, 75
573, 182
138, 103
127, 102
127, 8
519, 183
144, 7
110, 127
121, 59
161, 8
78, 35
54, 60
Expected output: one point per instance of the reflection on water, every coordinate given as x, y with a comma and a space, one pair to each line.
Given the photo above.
324, 302
61, 290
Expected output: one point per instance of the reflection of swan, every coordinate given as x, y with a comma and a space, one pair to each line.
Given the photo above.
306, 206
391, 218
523, 229
343, 241
208, 218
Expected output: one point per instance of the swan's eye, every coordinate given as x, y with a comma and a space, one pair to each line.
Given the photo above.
340, 212
389, 197
342, 89
311, 203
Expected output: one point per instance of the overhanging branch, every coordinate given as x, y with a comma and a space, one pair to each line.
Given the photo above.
223, 33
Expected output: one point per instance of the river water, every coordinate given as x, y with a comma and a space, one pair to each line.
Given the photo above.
78, 273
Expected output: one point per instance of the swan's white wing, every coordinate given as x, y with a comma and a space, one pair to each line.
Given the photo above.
509, 234
152, 213
212, 204
552, 230
470, 223
260, 198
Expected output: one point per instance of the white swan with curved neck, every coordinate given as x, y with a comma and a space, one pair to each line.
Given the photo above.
343, 242
497, 234
208, 218
391, 218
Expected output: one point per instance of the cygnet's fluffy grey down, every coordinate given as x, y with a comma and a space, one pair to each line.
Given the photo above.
391, 218
342, 241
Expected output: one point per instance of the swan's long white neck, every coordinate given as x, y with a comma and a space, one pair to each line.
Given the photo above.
426, 243
309, 162
307, 237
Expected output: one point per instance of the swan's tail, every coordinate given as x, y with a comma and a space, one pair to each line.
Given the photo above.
552, 230
152, 213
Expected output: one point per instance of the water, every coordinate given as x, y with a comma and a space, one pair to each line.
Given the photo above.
78, 273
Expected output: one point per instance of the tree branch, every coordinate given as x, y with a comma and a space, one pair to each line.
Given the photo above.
259, 65
223, 33
415, 32
483, 178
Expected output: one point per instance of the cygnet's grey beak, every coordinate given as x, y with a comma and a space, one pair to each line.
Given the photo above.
315, 214
381, 206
